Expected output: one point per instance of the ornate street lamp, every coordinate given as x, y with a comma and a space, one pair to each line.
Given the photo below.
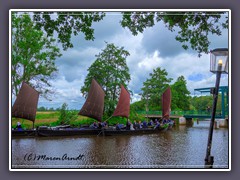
218, 65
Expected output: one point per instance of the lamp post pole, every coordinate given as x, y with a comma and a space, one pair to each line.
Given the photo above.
210, 159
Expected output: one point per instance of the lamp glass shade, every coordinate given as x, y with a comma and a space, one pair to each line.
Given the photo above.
219, 60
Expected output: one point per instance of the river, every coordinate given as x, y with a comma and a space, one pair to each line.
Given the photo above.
181, 147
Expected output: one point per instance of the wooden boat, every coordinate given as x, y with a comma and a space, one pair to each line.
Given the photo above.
123, 110
93, 107
25, 107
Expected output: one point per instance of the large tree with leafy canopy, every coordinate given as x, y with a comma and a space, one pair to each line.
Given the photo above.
67, 23
193, 27
154, 87
33, 55
180, 95
110, 70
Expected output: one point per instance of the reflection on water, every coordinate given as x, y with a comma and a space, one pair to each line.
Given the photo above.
181, 147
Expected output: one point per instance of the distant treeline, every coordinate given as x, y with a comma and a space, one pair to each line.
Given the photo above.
196, 103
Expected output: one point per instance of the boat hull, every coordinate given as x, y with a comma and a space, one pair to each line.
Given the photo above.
48, 132
67, 132
132, 132
23, 133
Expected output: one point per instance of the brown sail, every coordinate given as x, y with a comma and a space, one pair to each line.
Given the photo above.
166, 103
26, 102
93, 107
123, 106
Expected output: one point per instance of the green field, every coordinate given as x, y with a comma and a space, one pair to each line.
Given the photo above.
50, 118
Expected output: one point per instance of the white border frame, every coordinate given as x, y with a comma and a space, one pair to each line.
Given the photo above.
117, 10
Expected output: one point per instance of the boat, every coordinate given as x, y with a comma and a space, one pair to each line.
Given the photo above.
93, 108
25, 107
123, 110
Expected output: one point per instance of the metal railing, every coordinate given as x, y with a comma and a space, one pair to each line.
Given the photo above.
181, 113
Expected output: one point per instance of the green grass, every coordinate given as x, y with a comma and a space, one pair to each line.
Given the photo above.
50, 118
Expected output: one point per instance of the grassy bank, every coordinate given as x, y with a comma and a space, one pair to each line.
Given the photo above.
50, 118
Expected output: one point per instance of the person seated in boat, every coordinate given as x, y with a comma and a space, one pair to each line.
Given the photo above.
150, 123
19, 126
104, 124
140, 124
135, 125
157, 126
100, 125
94, 125
131, 127
144, 124
170, 122
118, 127
165, 121
128, 125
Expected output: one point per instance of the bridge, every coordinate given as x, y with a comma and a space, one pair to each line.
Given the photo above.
206, 114
187, 114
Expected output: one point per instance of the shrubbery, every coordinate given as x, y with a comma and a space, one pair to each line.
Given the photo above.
66, 115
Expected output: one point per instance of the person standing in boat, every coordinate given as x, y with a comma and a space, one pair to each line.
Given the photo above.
19, 126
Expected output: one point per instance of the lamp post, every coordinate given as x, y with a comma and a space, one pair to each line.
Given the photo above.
218, 65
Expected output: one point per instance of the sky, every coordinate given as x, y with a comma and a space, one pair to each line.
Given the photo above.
155, 47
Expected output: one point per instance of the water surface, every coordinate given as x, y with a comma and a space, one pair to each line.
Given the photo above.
181, 147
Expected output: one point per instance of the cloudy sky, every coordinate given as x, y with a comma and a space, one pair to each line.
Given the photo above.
155, 47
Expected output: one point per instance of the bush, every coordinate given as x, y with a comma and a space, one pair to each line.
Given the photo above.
66, 115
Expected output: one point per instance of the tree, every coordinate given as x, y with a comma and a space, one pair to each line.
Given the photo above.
41, 108
180, 94
66, 115
110, 70
65, 24
154, 87
201, 103
194, 26
33, 56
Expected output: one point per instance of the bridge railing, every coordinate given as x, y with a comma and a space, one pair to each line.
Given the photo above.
181, 113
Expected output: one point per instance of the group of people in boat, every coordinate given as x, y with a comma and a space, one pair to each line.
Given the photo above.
99, 125
144, 125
